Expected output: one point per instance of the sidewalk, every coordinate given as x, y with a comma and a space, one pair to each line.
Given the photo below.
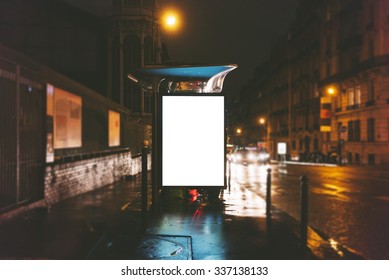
106, 224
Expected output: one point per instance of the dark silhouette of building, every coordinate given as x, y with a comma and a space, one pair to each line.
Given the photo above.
58, 35
71, 121
97, 51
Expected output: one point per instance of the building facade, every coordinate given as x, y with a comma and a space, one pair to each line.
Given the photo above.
336, 52
355, 65
133, 42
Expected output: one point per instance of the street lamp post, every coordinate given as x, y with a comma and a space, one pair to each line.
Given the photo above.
326, 116
264, 124
239, 136
169, 21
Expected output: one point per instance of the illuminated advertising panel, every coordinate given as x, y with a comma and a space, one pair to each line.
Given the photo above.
114, 128
281, 147
67, 119
193, 141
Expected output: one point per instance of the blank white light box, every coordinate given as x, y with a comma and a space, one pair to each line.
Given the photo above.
193, 141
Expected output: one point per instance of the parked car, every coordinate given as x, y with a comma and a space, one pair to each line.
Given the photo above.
243, 155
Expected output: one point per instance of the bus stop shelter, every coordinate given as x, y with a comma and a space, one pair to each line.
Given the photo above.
189, 133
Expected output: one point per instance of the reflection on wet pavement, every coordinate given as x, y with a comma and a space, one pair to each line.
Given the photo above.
213, 224
335, 191
244, 203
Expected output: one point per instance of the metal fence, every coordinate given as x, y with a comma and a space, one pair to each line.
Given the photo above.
22, 132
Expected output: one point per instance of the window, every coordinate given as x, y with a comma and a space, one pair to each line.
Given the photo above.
354, 130
350, 94
350, 131
114, 128
371, 159
354, 97
357, 130
370, 91
357, 95
67, 119
370, 130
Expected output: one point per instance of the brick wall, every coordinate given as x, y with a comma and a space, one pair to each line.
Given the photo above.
65, 180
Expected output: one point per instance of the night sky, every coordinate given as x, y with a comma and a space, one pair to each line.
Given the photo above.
222, 32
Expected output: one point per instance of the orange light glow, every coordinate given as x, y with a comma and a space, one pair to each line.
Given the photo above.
331, 91
171, 20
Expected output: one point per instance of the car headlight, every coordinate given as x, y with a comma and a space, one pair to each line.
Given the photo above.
251, 156
263, 156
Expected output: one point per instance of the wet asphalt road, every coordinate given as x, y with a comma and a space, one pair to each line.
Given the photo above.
348, 212
349, 204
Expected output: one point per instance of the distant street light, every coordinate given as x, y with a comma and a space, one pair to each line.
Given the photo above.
331, 91
238, 131
263, 126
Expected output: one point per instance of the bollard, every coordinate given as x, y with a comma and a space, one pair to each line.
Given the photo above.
268, 193
304, 214
229, 176
269, 234
144, 184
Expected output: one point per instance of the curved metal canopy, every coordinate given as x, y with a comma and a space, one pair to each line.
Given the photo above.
211, 76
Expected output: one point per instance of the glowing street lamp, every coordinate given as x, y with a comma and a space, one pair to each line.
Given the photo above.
331, 91
239, 131
171, 20
262, 121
